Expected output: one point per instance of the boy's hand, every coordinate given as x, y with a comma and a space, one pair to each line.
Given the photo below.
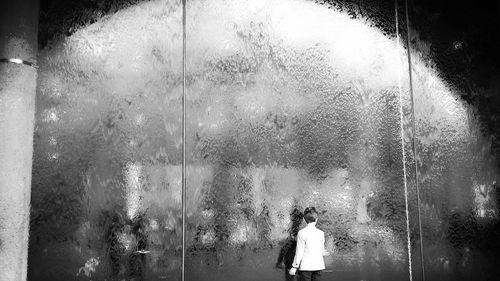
292, 271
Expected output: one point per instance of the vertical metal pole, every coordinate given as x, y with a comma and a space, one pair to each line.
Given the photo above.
415, 155
407, 212
183, 274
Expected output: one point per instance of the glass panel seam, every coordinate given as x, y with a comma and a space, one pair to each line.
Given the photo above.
414, 143
183, 277
403, 145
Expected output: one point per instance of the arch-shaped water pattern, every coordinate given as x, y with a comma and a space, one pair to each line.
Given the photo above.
289, 104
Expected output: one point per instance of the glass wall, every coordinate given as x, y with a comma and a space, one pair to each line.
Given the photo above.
106, 200
455, 68
294, 104
289, 104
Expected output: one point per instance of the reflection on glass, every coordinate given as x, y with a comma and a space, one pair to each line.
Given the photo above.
456, 120
106, 178
291, 104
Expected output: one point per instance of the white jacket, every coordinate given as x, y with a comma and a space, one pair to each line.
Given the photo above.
310, 248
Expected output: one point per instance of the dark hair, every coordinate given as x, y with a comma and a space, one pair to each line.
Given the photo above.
310, 214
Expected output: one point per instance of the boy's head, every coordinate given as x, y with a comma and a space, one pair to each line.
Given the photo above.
310, 214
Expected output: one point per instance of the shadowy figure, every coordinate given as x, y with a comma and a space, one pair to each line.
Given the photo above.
287, 251
137, 260
113, 223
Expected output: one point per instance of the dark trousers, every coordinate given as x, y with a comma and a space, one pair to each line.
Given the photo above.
310, 275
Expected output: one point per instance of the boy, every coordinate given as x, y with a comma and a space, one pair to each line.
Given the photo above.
310, 248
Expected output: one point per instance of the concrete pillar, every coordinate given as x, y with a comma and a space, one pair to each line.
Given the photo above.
18, 39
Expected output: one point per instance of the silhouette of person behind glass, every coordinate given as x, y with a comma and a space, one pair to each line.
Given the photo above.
114, 224
137, 259
287, 251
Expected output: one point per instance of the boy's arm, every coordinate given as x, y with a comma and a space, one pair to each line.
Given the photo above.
299, 252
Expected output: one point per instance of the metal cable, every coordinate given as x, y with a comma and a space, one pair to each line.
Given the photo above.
183, 271
417, 188
407, 212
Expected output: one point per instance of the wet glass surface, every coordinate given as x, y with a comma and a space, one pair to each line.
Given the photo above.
106, 180
289, 104
457, 136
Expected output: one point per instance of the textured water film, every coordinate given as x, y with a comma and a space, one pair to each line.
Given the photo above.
106, 182
289, 104
457, 143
